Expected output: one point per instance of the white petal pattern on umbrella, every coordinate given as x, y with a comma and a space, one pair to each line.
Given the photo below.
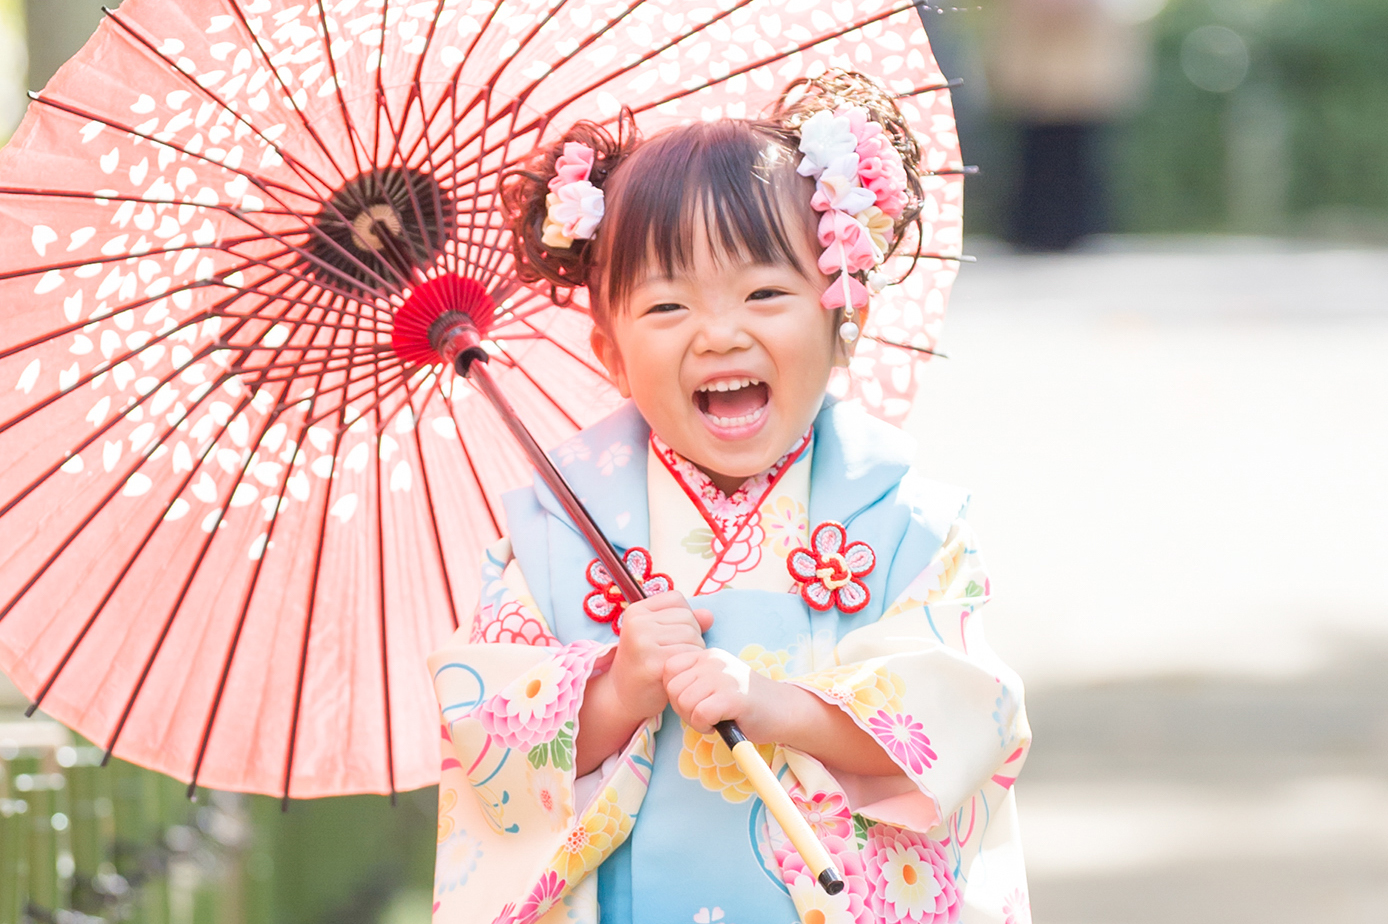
235, 520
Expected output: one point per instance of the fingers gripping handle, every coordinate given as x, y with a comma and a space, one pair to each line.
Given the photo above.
781, 808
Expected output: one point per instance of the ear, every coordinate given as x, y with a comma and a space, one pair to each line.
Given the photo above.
605, 349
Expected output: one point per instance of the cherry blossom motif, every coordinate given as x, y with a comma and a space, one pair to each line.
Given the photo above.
1016, 908
606, 602
827, 813
909, 878
829, 569
546, 894
905, 738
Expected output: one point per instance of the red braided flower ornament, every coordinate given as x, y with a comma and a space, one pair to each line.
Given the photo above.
829, 569
606, 602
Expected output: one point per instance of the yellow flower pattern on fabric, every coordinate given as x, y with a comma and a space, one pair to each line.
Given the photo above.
860, 687
707, 759
601, 830
952, 557
448, 800
787, 525
934, 583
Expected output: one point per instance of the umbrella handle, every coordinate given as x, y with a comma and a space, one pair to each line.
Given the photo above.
456, 338
778, 803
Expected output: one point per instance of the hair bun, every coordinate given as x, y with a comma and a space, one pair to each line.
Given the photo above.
524, 195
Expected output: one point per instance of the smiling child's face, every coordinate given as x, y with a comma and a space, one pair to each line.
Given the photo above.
727, 360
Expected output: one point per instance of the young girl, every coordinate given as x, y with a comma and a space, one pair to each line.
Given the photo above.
805, 582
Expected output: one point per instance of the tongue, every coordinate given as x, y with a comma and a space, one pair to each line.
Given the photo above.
737, 403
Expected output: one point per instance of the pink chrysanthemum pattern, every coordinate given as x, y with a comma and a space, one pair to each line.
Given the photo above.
853, 900
546, 894
904, 737
534, 706
909, 879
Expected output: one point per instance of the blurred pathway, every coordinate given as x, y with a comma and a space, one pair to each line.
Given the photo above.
1178, 455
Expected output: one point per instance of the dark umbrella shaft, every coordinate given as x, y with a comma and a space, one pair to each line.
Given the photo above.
459, 343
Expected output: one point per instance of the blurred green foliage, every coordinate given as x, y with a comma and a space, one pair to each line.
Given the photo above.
1299, 146
1315, 101
86, 844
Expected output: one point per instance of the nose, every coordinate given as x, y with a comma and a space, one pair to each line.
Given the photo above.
723, 329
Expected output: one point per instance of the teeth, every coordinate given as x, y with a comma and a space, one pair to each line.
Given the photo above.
736, 421
728, 384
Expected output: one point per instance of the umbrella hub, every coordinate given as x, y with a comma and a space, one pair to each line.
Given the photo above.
365, 224
378, 227
443, 319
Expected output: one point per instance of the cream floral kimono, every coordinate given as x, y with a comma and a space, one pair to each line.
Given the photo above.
838, 570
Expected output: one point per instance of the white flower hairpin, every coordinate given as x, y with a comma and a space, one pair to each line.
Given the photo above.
860, 186
574, 204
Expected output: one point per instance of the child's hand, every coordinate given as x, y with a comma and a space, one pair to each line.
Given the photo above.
653, 631
710, 685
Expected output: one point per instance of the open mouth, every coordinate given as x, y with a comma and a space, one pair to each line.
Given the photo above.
733, 403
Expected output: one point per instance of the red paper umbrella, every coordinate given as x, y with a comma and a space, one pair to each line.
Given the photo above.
233, 516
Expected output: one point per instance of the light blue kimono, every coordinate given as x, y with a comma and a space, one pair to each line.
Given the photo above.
690, 849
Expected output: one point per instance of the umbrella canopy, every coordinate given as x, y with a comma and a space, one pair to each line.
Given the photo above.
235, 520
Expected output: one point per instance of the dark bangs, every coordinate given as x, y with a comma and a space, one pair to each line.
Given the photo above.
733, 180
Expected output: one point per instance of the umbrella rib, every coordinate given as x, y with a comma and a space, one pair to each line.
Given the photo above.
347, 121
540, 388
262, 183
394, 142
568, 352
381, 611
309, 228
416, 94
33, 485
434, 532
498, 256
539, 123
119, 578
526, 91
467, 454
116, 258
173, 67
778, 56
86, 521
308, 616
303, 118
252, 584
149, 535
106, 369
220, 514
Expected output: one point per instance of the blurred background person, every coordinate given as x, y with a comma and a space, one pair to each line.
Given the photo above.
1061, 72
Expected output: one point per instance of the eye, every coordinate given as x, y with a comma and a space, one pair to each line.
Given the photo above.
664, 308
765, 293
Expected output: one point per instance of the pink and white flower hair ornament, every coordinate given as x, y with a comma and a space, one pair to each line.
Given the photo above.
861, 187
574, 204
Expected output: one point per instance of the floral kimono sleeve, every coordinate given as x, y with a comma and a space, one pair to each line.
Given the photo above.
923, 682
516, 833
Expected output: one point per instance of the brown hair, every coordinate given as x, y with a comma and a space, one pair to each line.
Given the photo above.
737, 177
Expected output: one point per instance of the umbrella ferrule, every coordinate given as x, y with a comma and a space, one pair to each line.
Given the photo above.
456, 338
